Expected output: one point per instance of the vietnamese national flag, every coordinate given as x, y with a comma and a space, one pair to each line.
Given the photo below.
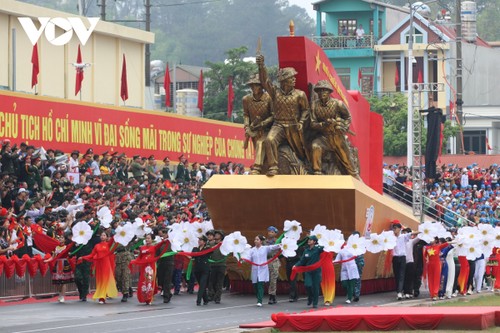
124, 86
452, 109
360, 76
230, 98
396, 77
36, 67
166, 85
488, 144
79, 72
200, 92
420, 78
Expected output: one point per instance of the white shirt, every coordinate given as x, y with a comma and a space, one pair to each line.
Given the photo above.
259, 256
464, 181
349, 269
409, 249
400, 248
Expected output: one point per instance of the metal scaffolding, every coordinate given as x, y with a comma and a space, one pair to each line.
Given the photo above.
416, 166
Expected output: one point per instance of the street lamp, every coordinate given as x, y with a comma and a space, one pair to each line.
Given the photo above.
409, 145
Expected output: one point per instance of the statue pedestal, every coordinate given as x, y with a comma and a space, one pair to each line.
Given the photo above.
251, 204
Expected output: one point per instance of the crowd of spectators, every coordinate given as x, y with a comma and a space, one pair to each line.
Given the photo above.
49, 191
458, 196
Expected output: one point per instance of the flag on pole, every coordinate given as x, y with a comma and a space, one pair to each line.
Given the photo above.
396, 77
200, 92
79, 72
488, 144
230, 98
452, 109
360, 76
36, 67
166, 85
420, 78
124, 86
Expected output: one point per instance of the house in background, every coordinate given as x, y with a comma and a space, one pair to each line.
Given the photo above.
354, 58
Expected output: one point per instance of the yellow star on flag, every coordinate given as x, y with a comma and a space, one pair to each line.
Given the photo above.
318, 62
431, 252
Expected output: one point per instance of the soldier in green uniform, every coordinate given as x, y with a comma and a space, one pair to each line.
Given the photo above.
312, 279
258, 119
165, 267
217, 269
331, 118
82, 269
122, 271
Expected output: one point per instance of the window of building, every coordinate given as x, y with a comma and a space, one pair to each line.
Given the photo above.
475, 141
379, 28
418, 37
350, 24
366, 82
344, 76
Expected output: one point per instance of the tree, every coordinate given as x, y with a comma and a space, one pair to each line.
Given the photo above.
394, 110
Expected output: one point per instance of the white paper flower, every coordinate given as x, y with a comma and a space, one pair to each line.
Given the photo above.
198, 228
485, 229
471, 234
389, 240
234, 242
207, 225
292, 229
289, 246
103, 211
428, 231
124, 234
496, 236
376, 243
318, 231
472, 250
356, 245
139, 227
81, 233
184, 241
487, 245
246, 253
332, 241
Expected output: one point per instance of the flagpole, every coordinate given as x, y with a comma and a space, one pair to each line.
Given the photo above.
174, 90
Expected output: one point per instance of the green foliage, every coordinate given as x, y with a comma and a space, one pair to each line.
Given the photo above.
394, 109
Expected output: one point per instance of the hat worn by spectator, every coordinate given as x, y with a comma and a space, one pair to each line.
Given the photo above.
166, 159
396, 225
272, 229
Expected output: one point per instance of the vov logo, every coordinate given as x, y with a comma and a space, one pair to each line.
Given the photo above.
68, 25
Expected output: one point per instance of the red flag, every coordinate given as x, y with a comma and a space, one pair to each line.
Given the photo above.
79, 72
488, 144
420, 78
230, 98
166, 85
200, 92
124, 86
36, 67
360, 76
396, 77
452, 109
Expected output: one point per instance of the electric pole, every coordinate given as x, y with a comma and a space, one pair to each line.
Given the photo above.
148, 53
103, 9
459, 102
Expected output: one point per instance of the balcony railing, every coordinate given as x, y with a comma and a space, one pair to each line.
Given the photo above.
344, 42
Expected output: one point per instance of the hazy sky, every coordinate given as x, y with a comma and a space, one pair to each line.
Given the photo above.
307, 4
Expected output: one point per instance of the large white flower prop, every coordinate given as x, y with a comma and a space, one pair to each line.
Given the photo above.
319, 231
246, 253
183, 241
332, 241
105, 217
289, 246
376, 243
124, 234
198, 228
81, 233
139, 227
292, 229
389, 240
485, 229
472, 250
471, 234
496, 236
207, 225
233, 243
486, 245
356, 245
428, 231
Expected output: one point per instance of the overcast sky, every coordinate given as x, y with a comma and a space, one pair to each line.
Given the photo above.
307, 4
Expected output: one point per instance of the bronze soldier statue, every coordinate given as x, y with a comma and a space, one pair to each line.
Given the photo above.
257, 119
331, 118
290, 112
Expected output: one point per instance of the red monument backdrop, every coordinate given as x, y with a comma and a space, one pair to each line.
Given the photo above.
313, 65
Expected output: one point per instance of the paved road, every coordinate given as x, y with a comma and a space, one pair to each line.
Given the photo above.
181, 315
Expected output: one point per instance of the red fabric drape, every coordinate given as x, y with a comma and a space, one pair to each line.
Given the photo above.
265, 263
328, 279
36, 67
324, 258
33, 265
20, 264
43, 267
201, 253
79, 71
166, 86
43, 242
429, 322
124, 84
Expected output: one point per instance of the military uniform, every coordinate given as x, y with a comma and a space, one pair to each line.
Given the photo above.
217, 275
312, 279
165, 271
122, 270
274, 271
332, 121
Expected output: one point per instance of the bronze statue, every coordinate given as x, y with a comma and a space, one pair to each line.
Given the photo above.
290, 112
257, 120
331, 118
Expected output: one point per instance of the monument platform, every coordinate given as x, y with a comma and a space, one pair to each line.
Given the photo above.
251, 204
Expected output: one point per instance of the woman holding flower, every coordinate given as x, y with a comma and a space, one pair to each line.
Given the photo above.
62, 273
